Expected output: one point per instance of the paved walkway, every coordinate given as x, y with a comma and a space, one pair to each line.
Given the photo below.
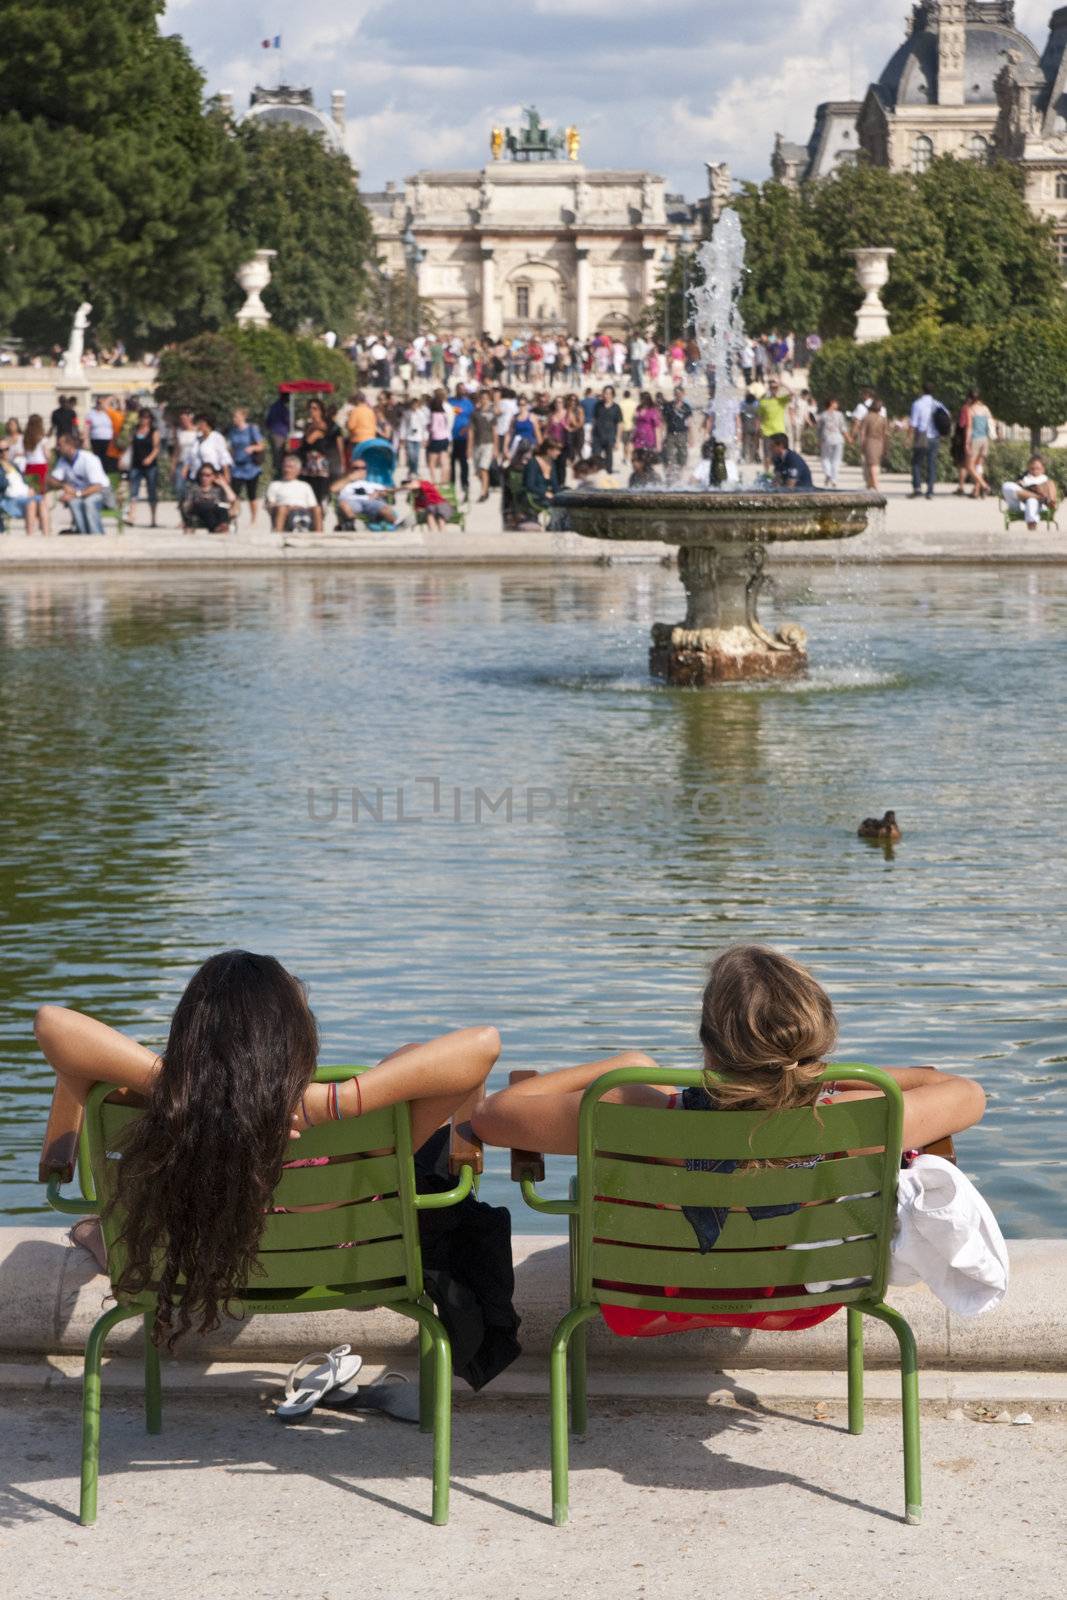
945, 529
666, 1502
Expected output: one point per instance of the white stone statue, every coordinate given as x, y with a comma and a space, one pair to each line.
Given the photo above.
872, 271
254, 276
75, 351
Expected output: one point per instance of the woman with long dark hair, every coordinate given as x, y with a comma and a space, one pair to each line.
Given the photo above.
230, 1092
320, 450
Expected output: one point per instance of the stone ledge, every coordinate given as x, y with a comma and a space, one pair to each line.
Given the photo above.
52, 1293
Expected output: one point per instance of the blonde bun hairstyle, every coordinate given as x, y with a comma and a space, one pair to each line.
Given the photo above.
767, 1027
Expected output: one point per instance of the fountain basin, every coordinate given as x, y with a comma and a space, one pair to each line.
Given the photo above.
721, 537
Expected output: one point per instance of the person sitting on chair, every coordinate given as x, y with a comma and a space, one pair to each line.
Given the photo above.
540, 478
291, 502
208, 503
358, 498
427, 498
1035, 492
230, 1092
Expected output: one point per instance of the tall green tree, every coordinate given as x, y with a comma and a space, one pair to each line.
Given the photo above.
998, 256
298, 197
1023, 374
114, 185
862, 206
786, 284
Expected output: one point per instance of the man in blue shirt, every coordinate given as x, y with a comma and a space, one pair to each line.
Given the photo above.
926, 437
462, 412
791, 471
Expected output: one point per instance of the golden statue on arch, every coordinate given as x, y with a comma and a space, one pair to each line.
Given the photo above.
496, 143
574, 143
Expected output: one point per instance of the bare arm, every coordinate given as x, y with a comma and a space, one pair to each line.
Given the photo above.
439, 1078
82, 1052
936, 1104
541, 1113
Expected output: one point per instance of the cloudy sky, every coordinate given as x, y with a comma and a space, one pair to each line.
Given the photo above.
668, 84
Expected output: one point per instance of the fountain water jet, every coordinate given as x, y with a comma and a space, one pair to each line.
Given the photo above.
721, 534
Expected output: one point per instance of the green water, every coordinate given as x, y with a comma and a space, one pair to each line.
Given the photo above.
161, 736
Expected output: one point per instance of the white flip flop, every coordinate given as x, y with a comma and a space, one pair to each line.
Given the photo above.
303, 1391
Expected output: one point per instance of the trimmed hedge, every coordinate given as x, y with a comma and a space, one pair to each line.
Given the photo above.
950, 357
243, 366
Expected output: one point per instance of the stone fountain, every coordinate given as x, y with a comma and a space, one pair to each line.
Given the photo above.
721, 534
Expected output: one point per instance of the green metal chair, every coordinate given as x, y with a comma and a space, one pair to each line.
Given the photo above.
1048, 514
632, 1246
361, 1254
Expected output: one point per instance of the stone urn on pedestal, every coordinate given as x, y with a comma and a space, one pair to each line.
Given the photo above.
872, 271
254, 276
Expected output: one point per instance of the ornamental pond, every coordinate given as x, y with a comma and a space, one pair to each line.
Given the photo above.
453, 796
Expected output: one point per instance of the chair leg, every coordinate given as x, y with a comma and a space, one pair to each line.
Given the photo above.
426, 1378
153, 1387
579, 1347
439, 1384
909, 1394
855, 1370
94, 1351
558, 1399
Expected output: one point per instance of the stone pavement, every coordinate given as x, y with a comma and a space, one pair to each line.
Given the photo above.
945, 529
667, 1501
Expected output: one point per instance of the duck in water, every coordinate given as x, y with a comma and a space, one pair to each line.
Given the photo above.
886, 830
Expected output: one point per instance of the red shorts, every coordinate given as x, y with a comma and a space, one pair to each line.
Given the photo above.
38, 470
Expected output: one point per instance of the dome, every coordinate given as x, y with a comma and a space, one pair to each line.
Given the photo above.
910, 78
296, 108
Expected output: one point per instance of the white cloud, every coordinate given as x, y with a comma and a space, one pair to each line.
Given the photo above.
668, 86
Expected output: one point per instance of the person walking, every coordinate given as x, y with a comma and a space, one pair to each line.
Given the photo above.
677, 416
99, 431
144, 464
873, 440
607, 420
483, 437
773, 413
930, 422
648, 427
320, 451
439, 437
247, 447
981, 429
462, 412
833, 430
575, 432
961, 447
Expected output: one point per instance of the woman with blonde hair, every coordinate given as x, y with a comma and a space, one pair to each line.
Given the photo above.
767, 1029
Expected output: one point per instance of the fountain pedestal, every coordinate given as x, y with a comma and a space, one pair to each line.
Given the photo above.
721, 537
722, 639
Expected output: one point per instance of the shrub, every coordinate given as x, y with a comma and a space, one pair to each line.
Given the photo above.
950, 357
243, 366
280, 357
206, 374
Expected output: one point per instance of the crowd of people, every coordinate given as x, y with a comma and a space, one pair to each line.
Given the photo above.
492, 416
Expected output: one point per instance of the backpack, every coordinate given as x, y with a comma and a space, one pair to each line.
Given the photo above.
942, 421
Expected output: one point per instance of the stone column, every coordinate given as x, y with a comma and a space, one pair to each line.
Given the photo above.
650, 257
581, 293
872, 270
490, 320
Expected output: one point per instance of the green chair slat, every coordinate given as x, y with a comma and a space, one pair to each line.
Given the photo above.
339, 1182
260, 1302
374, 1131
294, 1269
364, 1221
116, 1122
695, 1306
656, 1184
731, 1269
740, 1135
652, 1225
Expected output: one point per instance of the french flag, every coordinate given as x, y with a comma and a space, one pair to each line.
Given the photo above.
273, 44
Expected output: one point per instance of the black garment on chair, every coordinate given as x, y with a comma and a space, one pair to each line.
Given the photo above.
467, 1266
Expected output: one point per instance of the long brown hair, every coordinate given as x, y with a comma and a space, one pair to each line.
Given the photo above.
34, 433
197, 1173
767, 1026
